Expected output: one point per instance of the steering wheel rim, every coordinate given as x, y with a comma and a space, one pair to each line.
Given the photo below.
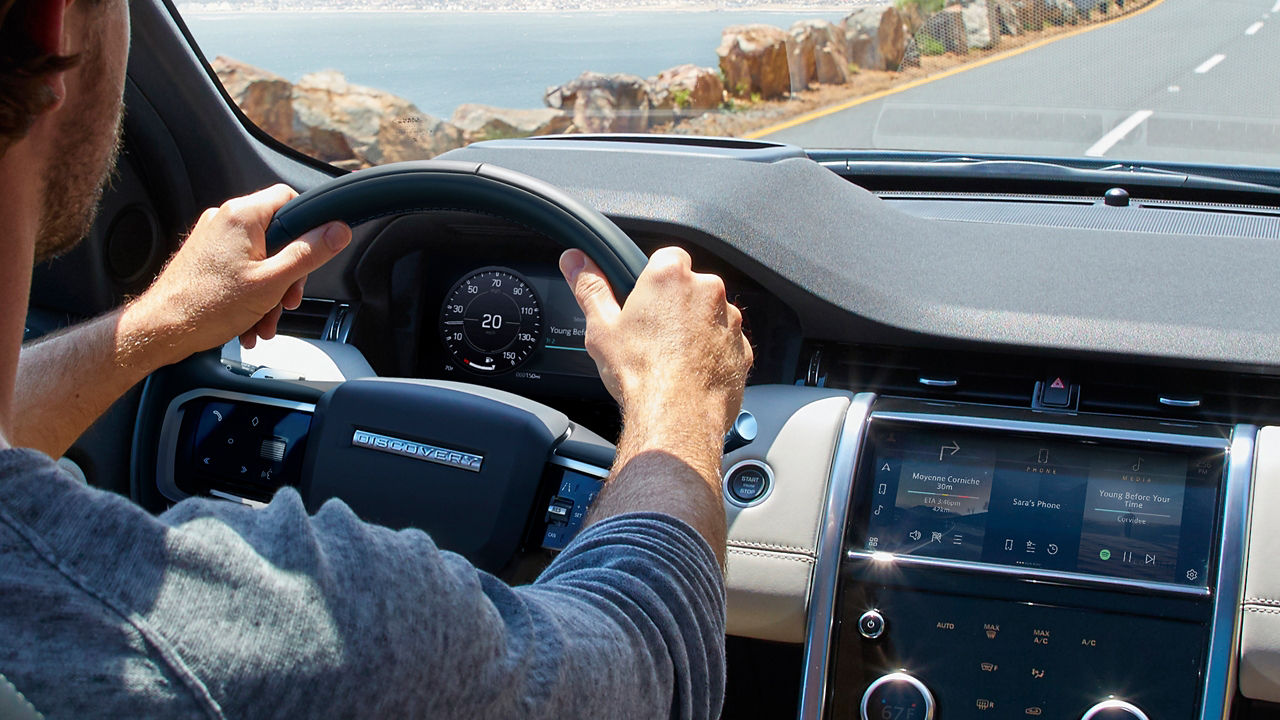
434, 185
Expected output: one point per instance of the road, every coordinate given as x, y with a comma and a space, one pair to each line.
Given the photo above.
1185, 81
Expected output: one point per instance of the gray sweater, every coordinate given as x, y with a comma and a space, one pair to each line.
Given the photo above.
212, 610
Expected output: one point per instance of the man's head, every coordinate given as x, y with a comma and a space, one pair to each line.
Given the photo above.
62, 67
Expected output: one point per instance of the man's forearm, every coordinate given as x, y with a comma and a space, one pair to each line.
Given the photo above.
668, 461
67, 381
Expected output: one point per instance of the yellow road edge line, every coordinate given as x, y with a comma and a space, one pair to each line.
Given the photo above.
831, 110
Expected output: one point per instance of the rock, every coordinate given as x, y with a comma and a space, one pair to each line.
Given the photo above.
801, 63
377, 126
977, 25
265, 98
1061, 12
599, 103
1030, 13
335, 121
911, 56
826, 56
1005, 17
912, 16
875, 37
753, 59
686, 91
832, 66
484, 122
948, 29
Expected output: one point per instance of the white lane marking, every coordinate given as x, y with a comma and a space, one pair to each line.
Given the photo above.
1254, 28
1208, 65
1117, 134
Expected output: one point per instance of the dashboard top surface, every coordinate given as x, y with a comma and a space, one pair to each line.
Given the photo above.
853, 266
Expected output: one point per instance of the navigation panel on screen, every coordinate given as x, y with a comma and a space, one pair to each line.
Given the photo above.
1140, 512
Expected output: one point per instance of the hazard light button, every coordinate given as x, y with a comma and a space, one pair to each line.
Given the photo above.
1056, 392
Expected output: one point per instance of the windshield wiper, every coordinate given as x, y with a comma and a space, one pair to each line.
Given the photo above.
1006, 169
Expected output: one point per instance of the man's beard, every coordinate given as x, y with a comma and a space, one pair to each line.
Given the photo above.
82, 164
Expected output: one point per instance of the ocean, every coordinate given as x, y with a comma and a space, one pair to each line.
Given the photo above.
440, 60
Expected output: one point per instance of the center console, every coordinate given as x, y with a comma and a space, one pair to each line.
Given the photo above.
982, 562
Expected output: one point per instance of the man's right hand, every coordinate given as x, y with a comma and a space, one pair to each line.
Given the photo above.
675, 359
676, 345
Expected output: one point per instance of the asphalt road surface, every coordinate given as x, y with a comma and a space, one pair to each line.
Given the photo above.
1187, 81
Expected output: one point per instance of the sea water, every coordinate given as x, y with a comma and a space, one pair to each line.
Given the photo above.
439, 60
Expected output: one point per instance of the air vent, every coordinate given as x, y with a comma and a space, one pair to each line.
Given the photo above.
925, 374
1213, 397
318, 319
1108, 388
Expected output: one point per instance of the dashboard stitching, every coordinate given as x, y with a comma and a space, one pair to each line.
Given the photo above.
1263, 601
1267, 610
781, 556
771, 546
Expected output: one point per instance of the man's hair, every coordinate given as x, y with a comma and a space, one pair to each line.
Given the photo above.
23, 69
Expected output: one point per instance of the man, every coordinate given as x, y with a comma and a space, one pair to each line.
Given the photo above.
213, 610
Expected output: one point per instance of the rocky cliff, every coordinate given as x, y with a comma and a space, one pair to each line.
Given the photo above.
353, 126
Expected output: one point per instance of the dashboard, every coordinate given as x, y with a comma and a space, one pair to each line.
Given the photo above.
994, 463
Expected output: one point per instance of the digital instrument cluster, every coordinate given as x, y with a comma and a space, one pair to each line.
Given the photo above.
499, 320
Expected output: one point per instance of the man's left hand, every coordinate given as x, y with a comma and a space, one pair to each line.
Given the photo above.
221, 283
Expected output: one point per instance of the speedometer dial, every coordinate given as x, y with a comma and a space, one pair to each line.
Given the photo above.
491, 321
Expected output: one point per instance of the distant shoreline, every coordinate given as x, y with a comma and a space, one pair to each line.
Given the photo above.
213, 9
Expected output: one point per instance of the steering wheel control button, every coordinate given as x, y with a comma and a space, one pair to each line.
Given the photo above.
1114, 710
559, 512
748, 483
897, 696
568, 508
871, 624
245, 449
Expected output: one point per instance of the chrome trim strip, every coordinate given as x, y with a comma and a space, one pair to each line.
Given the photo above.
1028, 573
1224, 638
1179, 403
426, 452
1050, 428
826, 568
937, 382
255, 504
172, 424
579, 466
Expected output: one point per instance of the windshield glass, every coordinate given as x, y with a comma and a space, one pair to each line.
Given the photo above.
363, 83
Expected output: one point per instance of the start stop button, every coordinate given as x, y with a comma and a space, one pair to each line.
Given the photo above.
748, 483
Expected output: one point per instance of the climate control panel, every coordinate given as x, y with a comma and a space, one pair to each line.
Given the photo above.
908, 654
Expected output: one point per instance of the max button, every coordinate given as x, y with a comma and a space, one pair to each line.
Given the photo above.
871, 624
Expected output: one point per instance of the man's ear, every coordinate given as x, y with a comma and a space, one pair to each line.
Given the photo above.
45, 26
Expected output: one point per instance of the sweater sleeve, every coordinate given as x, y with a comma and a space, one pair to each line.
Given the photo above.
326, 616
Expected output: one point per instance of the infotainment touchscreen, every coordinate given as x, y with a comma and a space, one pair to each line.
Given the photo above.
1141, 512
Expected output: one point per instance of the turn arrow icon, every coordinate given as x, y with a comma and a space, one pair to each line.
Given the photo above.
951, 449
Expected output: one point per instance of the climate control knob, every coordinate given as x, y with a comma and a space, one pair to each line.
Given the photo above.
897, 696
1114, 710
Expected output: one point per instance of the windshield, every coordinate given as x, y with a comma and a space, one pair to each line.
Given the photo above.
363, 83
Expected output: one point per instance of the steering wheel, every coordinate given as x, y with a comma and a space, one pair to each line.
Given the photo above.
464, 462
